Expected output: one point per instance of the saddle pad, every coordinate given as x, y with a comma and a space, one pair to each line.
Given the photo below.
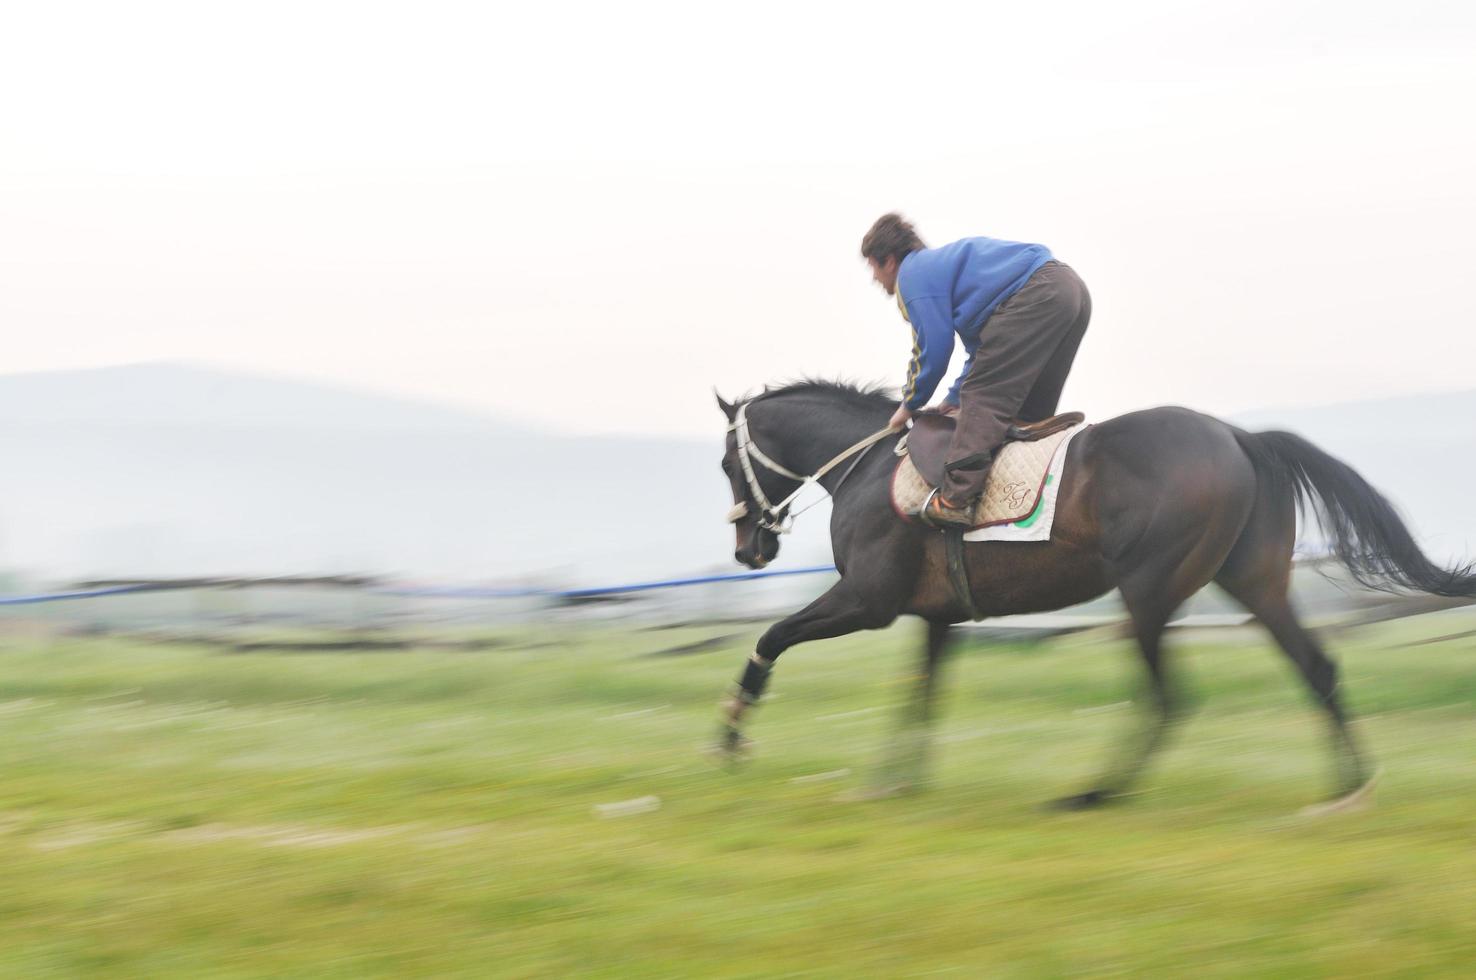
1020, 480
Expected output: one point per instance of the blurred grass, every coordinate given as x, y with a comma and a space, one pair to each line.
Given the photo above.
173, 812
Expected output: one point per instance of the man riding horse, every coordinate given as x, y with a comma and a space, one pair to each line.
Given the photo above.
1020, 315
1155, 504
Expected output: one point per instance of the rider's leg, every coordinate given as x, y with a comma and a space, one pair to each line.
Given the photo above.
1015, 346
1045, 398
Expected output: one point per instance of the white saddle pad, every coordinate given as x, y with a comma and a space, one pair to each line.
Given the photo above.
1019, 501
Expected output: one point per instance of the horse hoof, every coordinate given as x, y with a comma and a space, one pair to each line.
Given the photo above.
1090, 800
730, 751
1360, 799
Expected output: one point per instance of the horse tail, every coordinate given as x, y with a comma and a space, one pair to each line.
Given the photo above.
1365, 531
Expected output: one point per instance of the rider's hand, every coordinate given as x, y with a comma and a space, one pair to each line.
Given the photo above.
900, 417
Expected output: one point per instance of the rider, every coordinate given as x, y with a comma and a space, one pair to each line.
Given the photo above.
1020, 315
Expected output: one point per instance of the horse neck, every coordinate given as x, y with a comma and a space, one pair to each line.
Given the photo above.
806, 431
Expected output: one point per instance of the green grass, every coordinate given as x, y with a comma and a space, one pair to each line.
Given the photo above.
173, 812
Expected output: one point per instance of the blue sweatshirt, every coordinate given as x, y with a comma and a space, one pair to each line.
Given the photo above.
953, 290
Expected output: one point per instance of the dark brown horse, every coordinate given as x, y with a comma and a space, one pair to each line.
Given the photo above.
1156, 504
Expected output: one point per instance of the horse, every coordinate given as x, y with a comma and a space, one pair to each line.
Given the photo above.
1156, 504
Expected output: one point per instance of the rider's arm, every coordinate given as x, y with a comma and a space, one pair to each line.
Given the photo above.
932, 346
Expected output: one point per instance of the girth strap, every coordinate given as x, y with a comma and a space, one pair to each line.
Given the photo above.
958, 572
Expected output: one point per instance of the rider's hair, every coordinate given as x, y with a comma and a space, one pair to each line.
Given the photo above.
891, 235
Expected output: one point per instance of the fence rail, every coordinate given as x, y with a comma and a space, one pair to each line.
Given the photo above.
454, 592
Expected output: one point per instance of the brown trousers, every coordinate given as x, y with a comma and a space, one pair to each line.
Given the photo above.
1025, 352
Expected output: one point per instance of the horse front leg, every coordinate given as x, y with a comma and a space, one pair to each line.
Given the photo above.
836, 613
905, 767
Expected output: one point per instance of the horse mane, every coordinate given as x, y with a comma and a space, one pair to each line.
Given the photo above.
872, 396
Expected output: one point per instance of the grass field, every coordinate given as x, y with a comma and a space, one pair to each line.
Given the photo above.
173, 812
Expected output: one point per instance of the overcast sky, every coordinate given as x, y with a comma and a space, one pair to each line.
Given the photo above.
591, 215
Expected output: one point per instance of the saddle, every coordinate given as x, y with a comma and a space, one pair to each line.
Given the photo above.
932, 432
1017, 481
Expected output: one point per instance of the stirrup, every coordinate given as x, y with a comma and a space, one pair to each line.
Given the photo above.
922, 514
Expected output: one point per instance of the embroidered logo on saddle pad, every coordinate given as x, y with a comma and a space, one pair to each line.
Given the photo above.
1018, 483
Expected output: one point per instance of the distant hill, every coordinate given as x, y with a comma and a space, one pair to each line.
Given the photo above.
179, 394
166, 469
1419, 450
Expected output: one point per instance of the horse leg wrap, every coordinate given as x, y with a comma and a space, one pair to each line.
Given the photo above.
755, 676
750, 687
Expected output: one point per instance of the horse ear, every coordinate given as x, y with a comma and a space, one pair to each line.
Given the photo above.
731, 411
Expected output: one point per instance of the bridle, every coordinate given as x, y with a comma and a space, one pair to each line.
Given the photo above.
773, 517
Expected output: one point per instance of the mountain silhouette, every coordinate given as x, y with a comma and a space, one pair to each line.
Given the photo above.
170, 469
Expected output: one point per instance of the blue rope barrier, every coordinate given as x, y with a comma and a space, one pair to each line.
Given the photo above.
27, 600
703, 580
672, 583
463, 592
459, 592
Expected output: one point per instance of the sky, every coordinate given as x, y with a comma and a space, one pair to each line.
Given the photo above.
589, 216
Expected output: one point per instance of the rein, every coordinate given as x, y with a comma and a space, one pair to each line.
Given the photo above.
771, 516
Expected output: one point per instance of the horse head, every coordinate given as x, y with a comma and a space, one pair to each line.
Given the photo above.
756, 544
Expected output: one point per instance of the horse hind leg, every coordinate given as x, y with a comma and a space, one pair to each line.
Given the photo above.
1257, 574
1265, 596
1160, 574
1156, 719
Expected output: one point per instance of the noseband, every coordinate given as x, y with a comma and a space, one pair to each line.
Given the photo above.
772, 517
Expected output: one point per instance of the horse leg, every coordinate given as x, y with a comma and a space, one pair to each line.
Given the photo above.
839, 611
1161, 572
1274, 610
1257, 574
1163, 709
905, 767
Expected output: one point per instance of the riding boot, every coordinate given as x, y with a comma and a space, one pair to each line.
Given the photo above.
943, 514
